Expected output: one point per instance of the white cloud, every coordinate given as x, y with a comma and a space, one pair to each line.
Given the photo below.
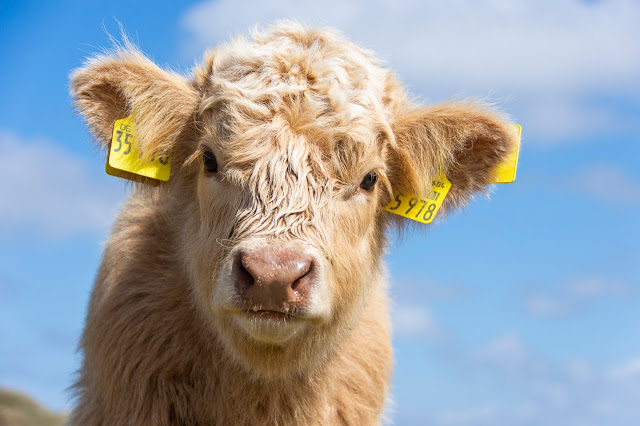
509, 355
574, 295
47, 191
606, 183
507, 347
548, 56
415, 287
508, 382
544, 305
414, 321
629, 370
548, 305
547, 118
410, 315
540, 391
592, 287
483, 414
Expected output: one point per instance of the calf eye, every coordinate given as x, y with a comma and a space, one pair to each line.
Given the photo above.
210, 163
369, 181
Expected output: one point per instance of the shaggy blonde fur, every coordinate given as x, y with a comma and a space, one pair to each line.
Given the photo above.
296, 117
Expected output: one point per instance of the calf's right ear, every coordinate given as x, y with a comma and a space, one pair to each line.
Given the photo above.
113, 86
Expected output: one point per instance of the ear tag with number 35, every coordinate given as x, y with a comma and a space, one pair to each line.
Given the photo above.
125, 158
424, 209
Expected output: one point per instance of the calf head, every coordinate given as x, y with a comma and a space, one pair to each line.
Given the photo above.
285, 150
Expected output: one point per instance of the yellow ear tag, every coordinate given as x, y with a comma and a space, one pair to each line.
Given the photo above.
125, 158
424, 209
506, 171
421, 209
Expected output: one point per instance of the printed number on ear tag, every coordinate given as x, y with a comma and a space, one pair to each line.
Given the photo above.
421, 209
125, 158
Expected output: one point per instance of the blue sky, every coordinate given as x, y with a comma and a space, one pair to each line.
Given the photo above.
522, 309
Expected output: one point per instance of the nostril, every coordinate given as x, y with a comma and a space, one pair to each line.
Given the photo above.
244, 279
306, 270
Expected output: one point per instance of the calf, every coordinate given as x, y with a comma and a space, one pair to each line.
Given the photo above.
250, 287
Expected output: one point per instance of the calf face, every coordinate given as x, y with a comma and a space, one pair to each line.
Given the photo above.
288, 232
285, 150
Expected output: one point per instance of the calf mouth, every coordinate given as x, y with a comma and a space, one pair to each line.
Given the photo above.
271, 326
270, 315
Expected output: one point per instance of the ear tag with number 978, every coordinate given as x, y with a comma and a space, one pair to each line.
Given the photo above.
421, 209
125, 159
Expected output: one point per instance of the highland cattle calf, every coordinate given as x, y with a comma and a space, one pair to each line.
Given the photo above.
250, 287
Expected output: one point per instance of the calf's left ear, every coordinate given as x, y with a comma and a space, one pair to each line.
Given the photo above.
464, 140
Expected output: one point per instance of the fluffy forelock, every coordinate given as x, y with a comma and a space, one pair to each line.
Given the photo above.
311, 80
